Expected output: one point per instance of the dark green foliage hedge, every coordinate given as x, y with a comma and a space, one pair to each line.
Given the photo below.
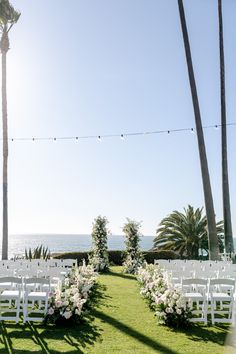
116, 257
150, 256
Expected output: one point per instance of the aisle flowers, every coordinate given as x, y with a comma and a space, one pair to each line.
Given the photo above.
68, 303
166, 300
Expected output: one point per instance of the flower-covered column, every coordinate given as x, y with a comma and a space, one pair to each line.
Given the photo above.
99, 256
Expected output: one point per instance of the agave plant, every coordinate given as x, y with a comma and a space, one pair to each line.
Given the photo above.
39, 252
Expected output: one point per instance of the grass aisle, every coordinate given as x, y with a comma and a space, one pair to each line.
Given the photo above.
122, 323
128, 325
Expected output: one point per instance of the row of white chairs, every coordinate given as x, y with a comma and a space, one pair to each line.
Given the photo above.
209, 287
26, 295
210, 269
210, 296
62, 263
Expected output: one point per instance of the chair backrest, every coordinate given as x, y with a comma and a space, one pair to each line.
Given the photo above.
37, 285
36, 281
222, 281
195, 281
15, 280
10, 282
68, 263
226, 285
195, 285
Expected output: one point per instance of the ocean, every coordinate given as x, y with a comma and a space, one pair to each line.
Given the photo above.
58, 243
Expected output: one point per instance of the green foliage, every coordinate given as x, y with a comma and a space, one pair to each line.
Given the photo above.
120, 323
151, 256
39, 252
8, 15
133, 257
185, 233
99, 255
116, 257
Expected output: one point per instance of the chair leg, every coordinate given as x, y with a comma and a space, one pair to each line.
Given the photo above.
212, 312
25, 309
204, 309
17, 310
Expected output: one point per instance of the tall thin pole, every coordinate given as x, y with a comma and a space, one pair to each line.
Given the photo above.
229, 245
210, 213
4, 50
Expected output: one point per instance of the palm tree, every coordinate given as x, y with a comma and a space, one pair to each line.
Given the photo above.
8, 16
210, 214
185, 233
229, 245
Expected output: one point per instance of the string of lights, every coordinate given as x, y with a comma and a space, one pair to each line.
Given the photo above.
121, 136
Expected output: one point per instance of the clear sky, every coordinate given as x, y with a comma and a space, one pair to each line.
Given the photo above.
94, 67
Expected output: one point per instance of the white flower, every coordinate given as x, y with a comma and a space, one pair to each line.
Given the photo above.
78, 311
50, 311
179, 311
158, 300
67, 314
58, 303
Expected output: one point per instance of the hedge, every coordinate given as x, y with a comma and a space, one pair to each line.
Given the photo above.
116, 257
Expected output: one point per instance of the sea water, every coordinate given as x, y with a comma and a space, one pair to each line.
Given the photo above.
58, 243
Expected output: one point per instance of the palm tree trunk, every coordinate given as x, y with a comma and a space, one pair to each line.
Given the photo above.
229, 245
4, 49
210, 214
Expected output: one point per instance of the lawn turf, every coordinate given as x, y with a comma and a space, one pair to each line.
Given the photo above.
120, 323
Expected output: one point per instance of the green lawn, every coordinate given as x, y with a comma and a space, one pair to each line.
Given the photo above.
121, 323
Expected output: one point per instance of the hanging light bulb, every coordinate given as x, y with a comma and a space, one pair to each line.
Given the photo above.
122, 137
99, 138
216, 127
192, 131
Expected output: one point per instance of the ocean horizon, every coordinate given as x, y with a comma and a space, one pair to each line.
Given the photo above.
60, 243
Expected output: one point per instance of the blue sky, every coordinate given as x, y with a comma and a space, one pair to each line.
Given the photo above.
88, 67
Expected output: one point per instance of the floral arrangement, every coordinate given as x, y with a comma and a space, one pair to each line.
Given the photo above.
69, 301
133, 257
99, 255
166, 300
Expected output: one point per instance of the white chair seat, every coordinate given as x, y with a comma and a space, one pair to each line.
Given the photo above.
37, 294
5, 285
10, 294
220, 296
194, 296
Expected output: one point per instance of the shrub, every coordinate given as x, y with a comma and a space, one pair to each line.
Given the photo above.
116, 257
150, 256
69, 302
168, 302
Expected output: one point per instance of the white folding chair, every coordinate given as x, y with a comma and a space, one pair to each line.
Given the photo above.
195, 294
221, 297
10, 298
36, 292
